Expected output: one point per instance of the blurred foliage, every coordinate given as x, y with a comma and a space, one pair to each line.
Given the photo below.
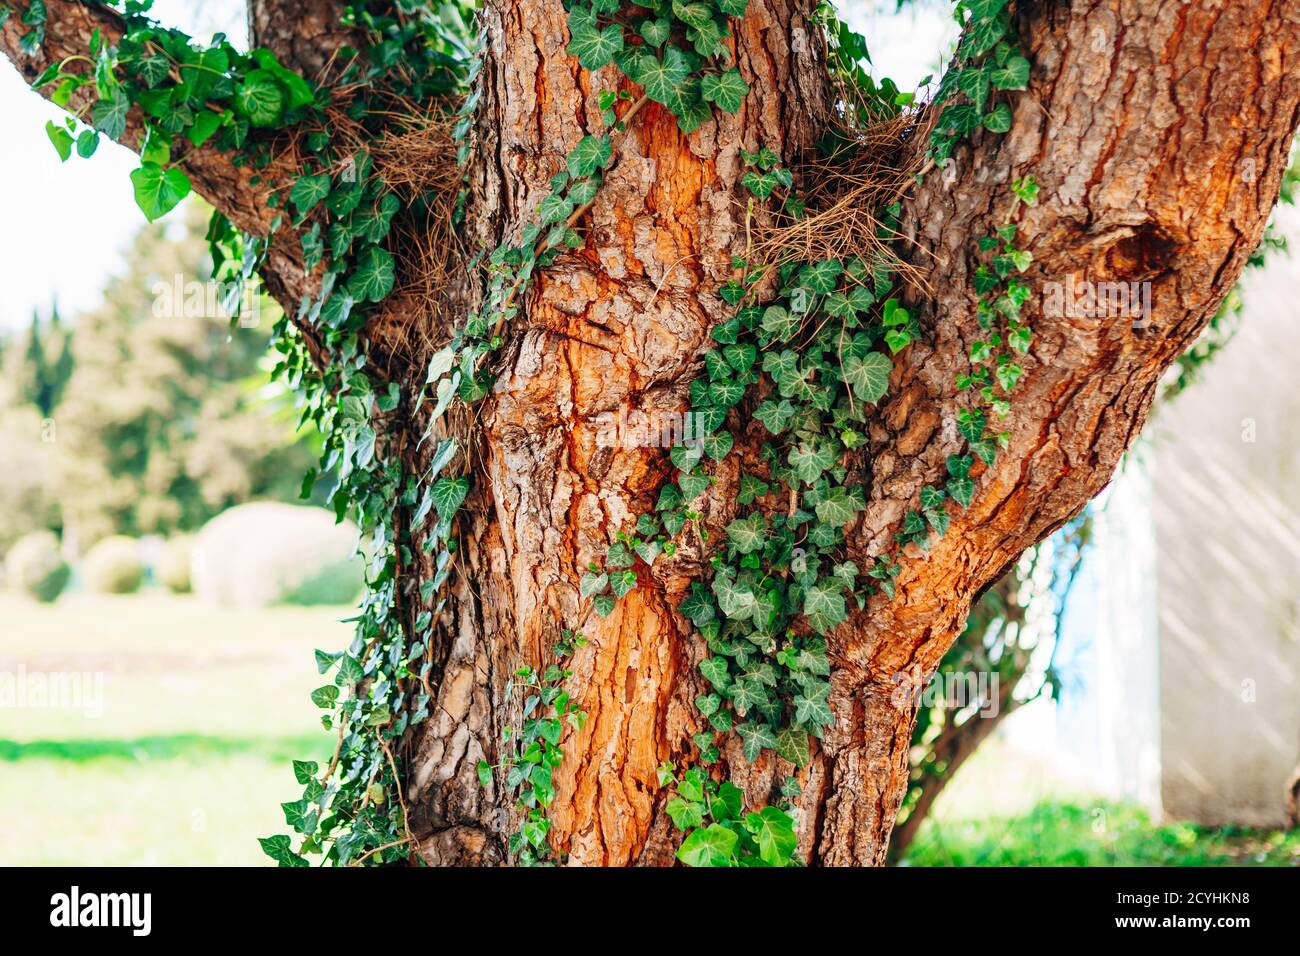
35, 367
172, 567
1102, 834
35, 567
1003, 659
113, 566
152, 415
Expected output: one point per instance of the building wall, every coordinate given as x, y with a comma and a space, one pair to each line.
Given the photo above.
1226, 505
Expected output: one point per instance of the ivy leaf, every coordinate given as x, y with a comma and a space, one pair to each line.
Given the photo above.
756, 737
373, 277
974, 82
304, 770
308, 191
685, 814
775, 415
838, 507
697, 605
821, 276
718, 445
811, 708
774, 831
735, 600
260, 98
998, 121
655, 31
325, 661
448, 493
729, 801
325, 697
279, 849
61, 139
779, 322
868, 375
824, 607
792, 745
692, 12
983, 33
1013, 75
686, 457
733, 8
726, 90
692, 485
205, 124
760, 184
622, 582
961, 490
595, 47
809, 460
157, 191
716, 671
554, 208
748, 534
961, 118
109, 115
662, 79
713, 845
591, 154
373, 223
592, 583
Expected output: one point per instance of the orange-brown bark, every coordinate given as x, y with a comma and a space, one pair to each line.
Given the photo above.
1139, 142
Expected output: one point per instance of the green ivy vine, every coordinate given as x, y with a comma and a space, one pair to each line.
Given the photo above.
808, 363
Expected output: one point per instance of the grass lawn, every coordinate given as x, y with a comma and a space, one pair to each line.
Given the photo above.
1005, 808
184, 757
1096, 833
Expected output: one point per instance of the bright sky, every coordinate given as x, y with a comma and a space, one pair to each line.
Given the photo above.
67, 224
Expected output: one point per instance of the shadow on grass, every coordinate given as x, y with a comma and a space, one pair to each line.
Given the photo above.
164, 747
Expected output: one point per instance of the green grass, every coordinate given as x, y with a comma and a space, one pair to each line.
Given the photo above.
187, 760
1060, 833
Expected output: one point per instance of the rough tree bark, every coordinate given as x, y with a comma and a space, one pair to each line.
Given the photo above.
1158, 132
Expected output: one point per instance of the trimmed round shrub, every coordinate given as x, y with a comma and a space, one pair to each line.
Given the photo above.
35, 566
113, 566
267, 553
172, 568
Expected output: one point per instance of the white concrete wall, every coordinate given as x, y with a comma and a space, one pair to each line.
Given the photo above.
1227, 512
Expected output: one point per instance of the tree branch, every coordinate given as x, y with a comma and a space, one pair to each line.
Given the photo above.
1158, 134
228, 187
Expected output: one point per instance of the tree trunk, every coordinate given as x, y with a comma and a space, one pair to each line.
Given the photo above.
1138, 124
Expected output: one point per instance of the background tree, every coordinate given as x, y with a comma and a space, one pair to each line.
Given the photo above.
38, 364
1120, 154
166, 420
164, 423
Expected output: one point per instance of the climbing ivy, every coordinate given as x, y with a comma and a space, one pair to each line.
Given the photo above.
807, 366
808, 362
719, 832
530, 768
